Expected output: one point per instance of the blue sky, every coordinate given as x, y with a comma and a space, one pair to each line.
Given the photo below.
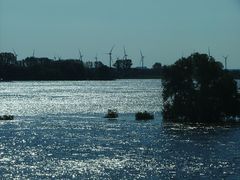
164, 30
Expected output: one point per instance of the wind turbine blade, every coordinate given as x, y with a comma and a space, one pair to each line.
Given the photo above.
112, 48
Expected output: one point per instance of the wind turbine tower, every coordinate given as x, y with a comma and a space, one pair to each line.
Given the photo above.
209, 53
110, 56
225, 61
96, 57
33, 54
142, 59
125, 54
80, 55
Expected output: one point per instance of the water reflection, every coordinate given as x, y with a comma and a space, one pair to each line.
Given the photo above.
64, 143
82, 147
41, 98
205, 150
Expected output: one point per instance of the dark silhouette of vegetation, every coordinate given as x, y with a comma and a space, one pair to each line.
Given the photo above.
157, 66
197, 89
235, 73
123, 64
6, 117
34, 68
144, 116
111, 114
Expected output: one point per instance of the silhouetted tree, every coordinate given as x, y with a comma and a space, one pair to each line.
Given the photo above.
157, 66
89, 64
123, 64
7, 58
103, 73
197, 89
98, 64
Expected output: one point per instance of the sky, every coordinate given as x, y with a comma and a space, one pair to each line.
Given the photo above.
164, 30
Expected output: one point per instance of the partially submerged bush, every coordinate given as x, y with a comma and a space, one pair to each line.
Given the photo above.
144, 115
6, 117
198, 89
112, 113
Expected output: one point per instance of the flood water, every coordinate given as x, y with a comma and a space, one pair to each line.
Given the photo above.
59, 133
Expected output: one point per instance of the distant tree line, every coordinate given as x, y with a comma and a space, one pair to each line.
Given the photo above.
34, 68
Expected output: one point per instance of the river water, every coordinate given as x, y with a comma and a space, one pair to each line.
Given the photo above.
59, 133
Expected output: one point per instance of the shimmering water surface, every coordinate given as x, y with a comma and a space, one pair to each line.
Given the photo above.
59, 132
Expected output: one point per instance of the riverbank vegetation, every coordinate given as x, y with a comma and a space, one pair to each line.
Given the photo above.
111, 114
198, 89
6, 117
144, 116
43, 68
34, 68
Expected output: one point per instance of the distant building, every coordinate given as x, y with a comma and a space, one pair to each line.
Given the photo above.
8, 58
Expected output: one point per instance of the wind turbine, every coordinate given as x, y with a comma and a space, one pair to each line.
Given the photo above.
225, 61
80, 55
33, 54
96, 58
142, 59
125, 54
110, 56
209, 53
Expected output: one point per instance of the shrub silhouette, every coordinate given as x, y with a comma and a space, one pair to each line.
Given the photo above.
7, 117
197, 89
112, 113
144, 115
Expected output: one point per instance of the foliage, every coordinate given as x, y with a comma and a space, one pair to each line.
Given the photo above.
6, 117
35, 68
157, 66
45, 69
197, 89
112, 113
124, 64
144, 115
